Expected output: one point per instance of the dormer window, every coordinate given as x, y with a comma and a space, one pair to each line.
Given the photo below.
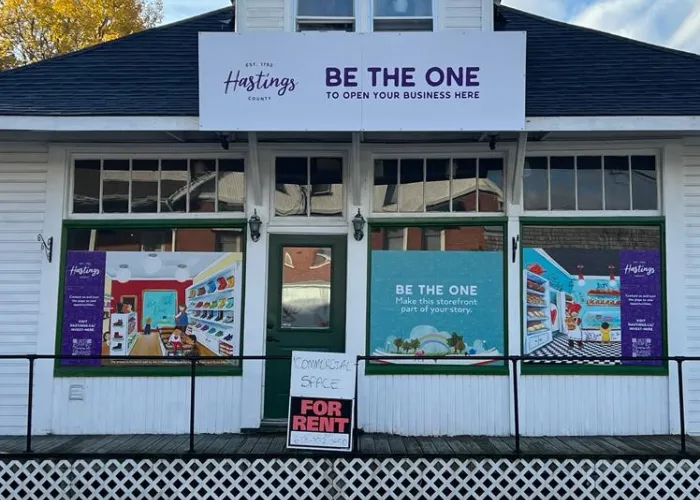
403, 15
325, 15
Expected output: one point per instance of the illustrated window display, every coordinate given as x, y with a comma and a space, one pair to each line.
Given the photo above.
440, 292
152, 292
592, 291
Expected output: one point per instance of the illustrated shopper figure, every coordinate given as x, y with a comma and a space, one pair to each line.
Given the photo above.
573, 325
181, 319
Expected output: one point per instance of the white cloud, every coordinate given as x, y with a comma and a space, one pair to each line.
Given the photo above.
176, 10
553, 9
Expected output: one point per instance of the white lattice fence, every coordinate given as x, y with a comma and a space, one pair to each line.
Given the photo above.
346, 478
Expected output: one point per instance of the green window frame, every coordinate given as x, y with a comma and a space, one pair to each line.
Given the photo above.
139, 370
433, 223
530, 368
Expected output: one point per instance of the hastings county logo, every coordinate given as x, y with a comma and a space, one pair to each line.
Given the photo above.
260, 81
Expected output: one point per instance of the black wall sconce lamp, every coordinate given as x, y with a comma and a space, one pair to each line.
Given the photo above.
358, 226
254, 223
46, 246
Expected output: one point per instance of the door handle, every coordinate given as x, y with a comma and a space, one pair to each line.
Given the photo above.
270, 325
272, 339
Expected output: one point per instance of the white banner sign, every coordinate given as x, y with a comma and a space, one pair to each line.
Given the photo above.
449, 81
321, 401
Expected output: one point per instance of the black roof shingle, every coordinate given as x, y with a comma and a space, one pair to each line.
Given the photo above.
571, 71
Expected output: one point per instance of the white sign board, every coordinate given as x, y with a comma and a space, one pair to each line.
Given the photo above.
446, 81
321, 401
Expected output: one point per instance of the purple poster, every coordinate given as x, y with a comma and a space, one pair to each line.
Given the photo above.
83, 306
640, 290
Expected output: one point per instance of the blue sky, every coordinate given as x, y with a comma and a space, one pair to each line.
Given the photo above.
672, 23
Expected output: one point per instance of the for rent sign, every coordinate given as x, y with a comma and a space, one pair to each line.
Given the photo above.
362, 81
321, 401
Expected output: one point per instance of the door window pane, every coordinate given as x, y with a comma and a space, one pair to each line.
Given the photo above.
562, 183
617, 183
464, 185
173, 186
490, 185
326, 186
115, 186
306, 288
644, 183
291, 179
437, 185
386, 180
535, 183
590, 182
86, 187
202, 185
144, 186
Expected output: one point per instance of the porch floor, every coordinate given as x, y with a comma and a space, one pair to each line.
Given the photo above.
273, 444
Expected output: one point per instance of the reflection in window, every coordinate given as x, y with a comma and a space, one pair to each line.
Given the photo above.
449, 238
306, 288
308, 186
325, 15
438, 185
590, 183
158, 186
403, 15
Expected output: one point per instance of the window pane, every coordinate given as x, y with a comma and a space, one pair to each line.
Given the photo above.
464, 185
437, 185
229, 240
306, 288
326, 186
387, 238
644, 183
386, 179
562, 183
144, 186
86, 187
231, 185
490, 185
115, 186
325, 8
411, 186
401, 8
407, 24
291, 181
173, 186
535, 185
202, 185
590, 182
617, 183
592, 291
442, 295
316, 26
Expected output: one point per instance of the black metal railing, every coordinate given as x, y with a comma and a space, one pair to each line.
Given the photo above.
195, 361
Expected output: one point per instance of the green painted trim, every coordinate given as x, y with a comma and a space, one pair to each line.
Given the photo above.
437, 221
143, 371
622, 370
377, 369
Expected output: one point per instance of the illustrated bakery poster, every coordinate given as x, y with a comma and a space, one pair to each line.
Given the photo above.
435, 303
164, 304
593, 303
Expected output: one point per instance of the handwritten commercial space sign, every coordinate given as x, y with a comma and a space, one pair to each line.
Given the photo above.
362, 81
321, 401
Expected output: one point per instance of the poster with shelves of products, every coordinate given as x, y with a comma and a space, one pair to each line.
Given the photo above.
167, 304
437, 303
604, 302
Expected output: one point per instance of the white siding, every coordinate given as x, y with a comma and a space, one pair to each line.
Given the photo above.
261, 15
23, 172
460, 14
146, 405
691, 197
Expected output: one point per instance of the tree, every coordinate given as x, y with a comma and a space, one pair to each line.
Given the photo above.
32, 30
398, 342
415, 344
455, 340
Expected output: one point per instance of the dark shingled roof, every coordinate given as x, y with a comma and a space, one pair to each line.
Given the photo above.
571, 71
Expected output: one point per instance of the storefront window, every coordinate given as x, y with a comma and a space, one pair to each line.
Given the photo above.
325, 15
172, 292
592, 291
158, 186
403, 15
415, 185
619, 183
437, 291
308, 186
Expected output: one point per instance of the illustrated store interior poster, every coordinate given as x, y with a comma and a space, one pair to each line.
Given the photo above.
168, 304
420, 306
584, 302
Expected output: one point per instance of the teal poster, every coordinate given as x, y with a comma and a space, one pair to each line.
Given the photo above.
437, 303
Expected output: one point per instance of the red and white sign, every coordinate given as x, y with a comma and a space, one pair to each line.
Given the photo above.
321, 401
